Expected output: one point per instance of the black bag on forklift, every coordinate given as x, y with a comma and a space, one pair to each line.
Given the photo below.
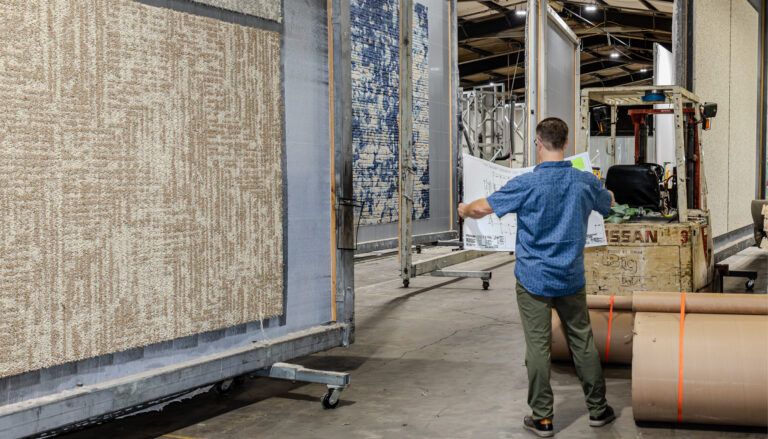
636, 185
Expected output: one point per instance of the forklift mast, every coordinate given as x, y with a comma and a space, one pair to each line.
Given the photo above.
640, 117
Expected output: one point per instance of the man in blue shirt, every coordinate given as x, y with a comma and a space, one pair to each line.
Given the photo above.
553, 204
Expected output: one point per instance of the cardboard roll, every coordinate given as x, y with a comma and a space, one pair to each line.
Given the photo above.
620, 342
724, 373
624, 308
696, 303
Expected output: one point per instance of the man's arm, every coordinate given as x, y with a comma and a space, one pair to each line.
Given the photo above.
604, 199
505, 200
476, 209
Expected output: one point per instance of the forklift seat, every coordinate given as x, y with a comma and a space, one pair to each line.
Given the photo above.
636, 185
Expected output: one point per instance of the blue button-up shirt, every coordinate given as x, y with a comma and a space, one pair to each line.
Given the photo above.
553, 204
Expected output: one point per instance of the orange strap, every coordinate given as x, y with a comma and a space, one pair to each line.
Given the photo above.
680, 360
610, 325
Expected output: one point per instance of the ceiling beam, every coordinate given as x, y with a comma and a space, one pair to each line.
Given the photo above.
597, 41
510, 84
493, 6
471, 48
623, 17
649, 5
603, 64
486, 28
506, 22
487, 64
616, 81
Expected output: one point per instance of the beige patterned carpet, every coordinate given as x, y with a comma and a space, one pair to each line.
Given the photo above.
140, 178
269, 9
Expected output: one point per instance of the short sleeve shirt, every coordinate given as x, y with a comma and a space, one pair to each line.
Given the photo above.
553, 204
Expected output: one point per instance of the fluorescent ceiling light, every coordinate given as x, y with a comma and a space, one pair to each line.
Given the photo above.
590, 8
520, 12
643, 70
615, 54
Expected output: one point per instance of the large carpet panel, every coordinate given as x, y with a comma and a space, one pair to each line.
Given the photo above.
140, 178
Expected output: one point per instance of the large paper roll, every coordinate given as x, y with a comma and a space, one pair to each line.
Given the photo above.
725, 368
595, 301
621, 336
701, 303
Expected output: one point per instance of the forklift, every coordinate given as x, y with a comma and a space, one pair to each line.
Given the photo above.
669, 246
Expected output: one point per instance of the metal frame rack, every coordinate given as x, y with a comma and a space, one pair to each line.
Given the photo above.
434, 266
486, 123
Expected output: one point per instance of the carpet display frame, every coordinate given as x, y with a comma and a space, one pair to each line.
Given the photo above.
375, 130
70, 330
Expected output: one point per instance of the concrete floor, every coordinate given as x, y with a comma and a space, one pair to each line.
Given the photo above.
442, 359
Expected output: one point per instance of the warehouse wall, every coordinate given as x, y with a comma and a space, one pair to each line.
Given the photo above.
375, 88
725, 71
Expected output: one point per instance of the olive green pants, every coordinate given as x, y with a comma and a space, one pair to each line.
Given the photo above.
536, 315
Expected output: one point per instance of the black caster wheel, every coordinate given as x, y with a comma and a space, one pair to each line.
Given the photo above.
486, 284
224, 387
750, 285
331, 399
418, 249
406, 282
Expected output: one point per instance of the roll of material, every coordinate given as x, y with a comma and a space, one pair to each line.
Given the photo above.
725, 368
624, 308
701, 303
620, 342
595, 301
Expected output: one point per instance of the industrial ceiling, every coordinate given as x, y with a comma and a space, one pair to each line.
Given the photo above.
617, 38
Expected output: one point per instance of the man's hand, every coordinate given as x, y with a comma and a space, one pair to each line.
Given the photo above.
476, 209
613, 198
462, 210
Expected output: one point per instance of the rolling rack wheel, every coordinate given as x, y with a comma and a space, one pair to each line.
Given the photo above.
331, 398
223, 388
486, 284
750, 284
406, 282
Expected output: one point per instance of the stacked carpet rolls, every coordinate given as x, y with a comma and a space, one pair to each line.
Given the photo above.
711, 369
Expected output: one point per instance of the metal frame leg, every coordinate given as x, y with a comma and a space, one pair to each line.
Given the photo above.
485, 276
336, 382
723, 271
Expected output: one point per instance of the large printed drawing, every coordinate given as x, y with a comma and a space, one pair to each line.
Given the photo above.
375, 105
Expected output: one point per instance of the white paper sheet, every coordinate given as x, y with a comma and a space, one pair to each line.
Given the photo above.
481, 179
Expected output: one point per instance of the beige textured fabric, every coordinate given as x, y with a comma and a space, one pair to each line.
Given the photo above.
269, 9
140, 178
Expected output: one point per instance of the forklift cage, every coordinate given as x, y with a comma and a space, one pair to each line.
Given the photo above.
683, 102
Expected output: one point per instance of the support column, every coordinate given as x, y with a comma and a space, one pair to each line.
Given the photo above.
682, 178
342, 194
682, 40
762, 104
405, 145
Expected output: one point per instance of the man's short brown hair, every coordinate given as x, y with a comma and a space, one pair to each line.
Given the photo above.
554, 133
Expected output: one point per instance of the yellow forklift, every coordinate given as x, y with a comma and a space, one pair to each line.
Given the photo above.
669, 247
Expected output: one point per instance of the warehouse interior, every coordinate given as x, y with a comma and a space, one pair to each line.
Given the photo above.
243, 218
